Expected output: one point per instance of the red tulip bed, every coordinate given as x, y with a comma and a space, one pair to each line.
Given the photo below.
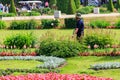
53, 76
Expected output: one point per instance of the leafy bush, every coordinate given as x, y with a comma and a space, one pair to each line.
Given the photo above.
104, 10
70, 22
98, 39
33, 13
99, 24
32, 24
7, 14
117, 24
85, 10
107, 65
2, 24
46, 24
59, 48
19, 41
110, 6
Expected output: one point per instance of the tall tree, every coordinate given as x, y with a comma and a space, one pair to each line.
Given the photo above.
12, 7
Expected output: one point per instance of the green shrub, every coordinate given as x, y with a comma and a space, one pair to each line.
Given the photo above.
8, 14
12, 7
62, 5
98, 39
32, 24
33, 13
110, 6
71, 7
85, 10
99, 24
70, 22
52, 2
2, 24
46, 24
59, 48
117, 24
19, 41
77, 3
104, 10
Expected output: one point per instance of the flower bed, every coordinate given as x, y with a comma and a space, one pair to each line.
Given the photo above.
53, 76
49, 62
17, 54
107, 65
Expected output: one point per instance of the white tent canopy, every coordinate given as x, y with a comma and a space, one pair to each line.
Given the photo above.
30, 2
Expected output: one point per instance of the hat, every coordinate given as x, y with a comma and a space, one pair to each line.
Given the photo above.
78, 15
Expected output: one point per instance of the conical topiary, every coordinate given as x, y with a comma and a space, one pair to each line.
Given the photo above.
77, 3
118, 4
12, 7
111, 6
62, 5
71, 7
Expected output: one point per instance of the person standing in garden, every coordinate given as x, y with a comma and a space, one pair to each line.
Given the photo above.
79, 29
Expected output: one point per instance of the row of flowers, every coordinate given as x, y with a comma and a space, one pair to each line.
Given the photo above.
17, 54
48, 62
53, 76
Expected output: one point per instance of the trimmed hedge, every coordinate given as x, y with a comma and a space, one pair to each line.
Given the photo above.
70, 23
18, 25
47, 24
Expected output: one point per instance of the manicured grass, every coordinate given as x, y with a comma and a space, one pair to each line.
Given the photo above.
81, 65
18, 64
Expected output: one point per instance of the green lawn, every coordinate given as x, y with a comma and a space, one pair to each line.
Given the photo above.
19, 64
81, 65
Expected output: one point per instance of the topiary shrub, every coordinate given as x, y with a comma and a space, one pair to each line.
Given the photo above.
71, 7
85, 10
2, 24
32, 24
12, 7
110, 6
59, 48
47, 24
64, 7
77, 3
70, 22
99, 24
19, 41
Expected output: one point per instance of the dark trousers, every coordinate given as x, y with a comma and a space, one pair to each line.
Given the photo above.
80, 36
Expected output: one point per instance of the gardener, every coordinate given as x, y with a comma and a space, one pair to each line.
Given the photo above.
79, 30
